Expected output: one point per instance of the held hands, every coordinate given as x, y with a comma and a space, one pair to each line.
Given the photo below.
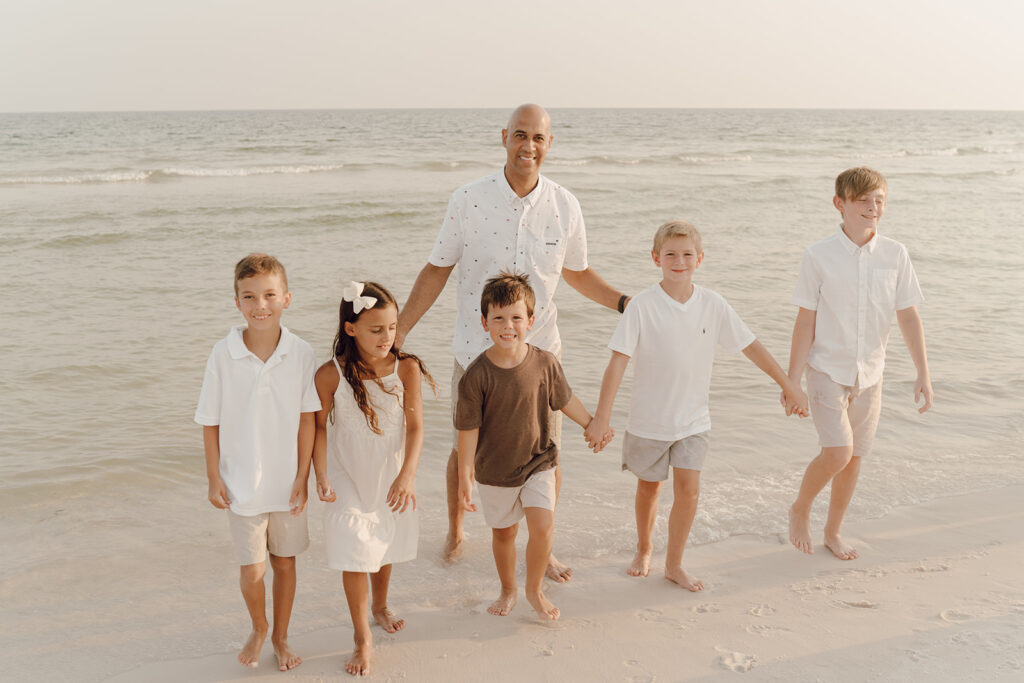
923, 389
218, 494
401, 494
324, 490
795, 402
300, 495
598, 434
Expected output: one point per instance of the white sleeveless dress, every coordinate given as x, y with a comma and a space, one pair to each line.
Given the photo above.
362, 533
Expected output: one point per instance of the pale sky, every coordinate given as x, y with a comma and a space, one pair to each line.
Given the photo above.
71, 55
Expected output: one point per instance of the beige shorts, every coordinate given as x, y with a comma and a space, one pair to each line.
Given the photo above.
503, 505
554, 416
650, 459
844, 416
279, 532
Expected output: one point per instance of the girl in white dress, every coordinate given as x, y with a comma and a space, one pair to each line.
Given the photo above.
369, 435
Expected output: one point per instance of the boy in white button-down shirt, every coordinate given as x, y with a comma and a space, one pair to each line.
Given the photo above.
257, 409
849, 285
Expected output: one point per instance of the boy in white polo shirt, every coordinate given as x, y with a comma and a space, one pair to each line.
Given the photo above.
257, 409
849, 285
672, 330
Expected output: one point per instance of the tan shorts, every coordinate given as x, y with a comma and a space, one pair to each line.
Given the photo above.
554, 416
650, 459
844, 416
503, 505
279, 532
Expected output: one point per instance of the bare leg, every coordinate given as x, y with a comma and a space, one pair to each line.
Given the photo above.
503, 543
541, 524
254, 594
646, 514
387, 619
685, 491
453, 544
843, 485
829, 462
357, 593
556, 571
284, 596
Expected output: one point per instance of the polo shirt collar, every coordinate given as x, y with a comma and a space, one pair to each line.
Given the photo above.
238, 349
511, 195
851, 247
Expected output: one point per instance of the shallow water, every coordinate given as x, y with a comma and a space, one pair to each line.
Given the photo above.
118, 234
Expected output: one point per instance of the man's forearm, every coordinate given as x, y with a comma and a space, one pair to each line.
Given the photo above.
593, 286
428, 286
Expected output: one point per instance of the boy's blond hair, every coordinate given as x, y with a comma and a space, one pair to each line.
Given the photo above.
506, 289
677, 229
857, 182
259, 264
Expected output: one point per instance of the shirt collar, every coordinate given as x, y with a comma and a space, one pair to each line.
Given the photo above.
511, 195
851, 247
238, 349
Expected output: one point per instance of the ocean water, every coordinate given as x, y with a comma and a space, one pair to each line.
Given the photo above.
118, 234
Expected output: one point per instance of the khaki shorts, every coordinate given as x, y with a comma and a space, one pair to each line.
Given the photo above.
844, 416
279, 532
503, 505
650, 459
554, 416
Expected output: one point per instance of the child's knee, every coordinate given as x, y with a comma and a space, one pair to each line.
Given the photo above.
540, 522
837, 457
506, 535
646, 490
685, 483
253, 573
282, 564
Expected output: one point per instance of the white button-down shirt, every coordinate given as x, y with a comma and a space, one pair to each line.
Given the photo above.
487, 229
257, 407
855, 291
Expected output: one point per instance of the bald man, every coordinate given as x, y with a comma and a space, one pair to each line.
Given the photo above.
514, 220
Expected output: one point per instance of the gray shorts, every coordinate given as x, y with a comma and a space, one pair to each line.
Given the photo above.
554, 416
650, 459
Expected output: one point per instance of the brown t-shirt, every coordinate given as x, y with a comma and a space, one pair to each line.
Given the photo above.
510, 406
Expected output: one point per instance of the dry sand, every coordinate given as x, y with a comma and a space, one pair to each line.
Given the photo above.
937, 594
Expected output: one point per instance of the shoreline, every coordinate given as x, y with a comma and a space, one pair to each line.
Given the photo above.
936, 592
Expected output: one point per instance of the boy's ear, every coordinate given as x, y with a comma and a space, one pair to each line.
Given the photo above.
483, 321
287, 300
700, 258
654, 255
238, 304
529, 323
838, 203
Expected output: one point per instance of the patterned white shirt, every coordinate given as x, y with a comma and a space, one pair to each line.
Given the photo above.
855, 291
487, 229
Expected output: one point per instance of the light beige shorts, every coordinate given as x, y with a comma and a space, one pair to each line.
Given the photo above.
650, 459
843, 416
503, 505
279, 532
554, 416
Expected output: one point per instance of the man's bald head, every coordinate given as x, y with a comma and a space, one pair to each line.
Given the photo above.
531, 111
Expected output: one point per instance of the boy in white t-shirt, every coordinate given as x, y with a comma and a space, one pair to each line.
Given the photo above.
257, 409
671, 330
850, 284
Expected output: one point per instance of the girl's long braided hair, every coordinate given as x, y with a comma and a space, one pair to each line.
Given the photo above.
353, 369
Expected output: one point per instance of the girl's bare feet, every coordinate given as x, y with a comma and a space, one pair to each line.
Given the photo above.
250, 653
840, 549
557, 571
545, 610
359, 663
800, 532
677, 575
504, 604
286, 659
641, 564
388, 620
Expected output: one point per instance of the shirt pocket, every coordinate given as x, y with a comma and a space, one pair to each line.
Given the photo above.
546, 249
882, 289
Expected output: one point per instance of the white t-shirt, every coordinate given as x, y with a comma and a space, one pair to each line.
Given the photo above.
257, 406
672, 347
855, 291
487, 229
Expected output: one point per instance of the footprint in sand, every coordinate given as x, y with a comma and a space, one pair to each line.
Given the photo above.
954, 616
736, 661
706, 608
766, 630
922, 567
761, 610
859, 604
642, 676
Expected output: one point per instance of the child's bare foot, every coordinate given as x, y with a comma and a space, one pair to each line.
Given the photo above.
286, 659
453, 546
677, 575
250, 653
641, 564
840, 549
800, 532
359, 663
557, 571
504, 604
545, 610
388, 620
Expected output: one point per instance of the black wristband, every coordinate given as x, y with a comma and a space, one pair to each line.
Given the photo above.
622, 302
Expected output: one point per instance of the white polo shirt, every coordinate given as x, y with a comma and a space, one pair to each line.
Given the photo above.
854, 291
487, 229
257, 406
672, 346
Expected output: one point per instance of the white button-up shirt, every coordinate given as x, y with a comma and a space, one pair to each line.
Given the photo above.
855, 291
257, 407
487, 229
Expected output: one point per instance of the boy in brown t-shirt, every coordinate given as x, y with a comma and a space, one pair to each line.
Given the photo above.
504, 439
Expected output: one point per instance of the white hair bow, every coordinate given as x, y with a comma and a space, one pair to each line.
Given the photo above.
353, 292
